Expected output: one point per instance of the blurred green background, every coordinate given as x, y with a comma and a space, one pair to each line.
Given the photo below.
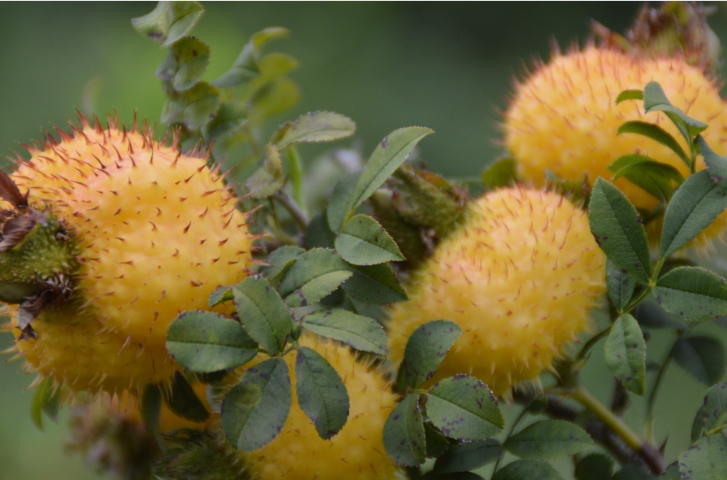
386, 65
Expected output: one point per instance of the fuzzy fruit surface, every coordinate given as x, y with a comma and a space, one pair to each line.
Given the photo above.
519, 277
158, 232
357, 451
564, 118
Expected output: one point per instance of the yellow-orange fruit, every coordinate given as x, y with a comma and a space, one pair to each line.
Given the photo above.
357, 451
158, 232
564, 118
519, 278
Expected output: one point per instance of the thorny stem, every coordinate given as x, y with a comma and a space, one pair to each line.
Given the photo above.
657, 383
293, 208
509, 434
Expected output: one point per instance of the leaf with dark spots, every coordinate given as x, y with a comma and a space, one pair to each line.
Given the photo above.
314, 275
404, 437
263, 314
626, 353
374, 284
712, 415
706, 459
362, 241
693, 293
549, 439
468, 456
425, 350
361, 333
314, 127
321, 393
527, 470
464, 408
255, 410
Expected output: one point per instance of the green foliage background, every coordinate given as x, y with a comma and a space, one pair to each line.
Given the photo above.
385, 65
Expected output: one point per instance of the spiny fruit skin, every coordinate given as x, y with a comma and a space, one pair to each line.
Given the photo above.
158, 232
564, 118
519, 278
357, 451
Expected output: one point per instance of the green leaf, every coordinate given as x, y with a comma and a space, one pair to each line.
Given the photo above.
269, 178
595, 466
255, 410
671, 473
437, 444
362, 241
319, 234
463, 408
633, 472
716, 164
169, 21
549, 439
314, 127
629, 95
425, 350
656, 133
703, 357
184, 402
626, 353
619, 231
692, 293
200, 105
314, 275
389, 154
712, 415
655, 101
693, 208
281, 260
500, 173
338, 204
527, 470
151, 406
654, 177
649, 314
46, 399
191, 58
220, 295
468, 456
374, 284
620, 286
321, 393
263, 314
361, 333
273, 98
243, 70
230, 117
705, 460
207, 342
404, 439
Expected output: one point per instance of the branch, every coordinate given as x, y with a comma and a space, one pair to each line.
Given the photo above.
295, 211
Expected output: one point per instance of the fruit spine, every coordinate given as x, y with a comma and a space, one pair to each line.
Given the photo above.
156, 232
520, 277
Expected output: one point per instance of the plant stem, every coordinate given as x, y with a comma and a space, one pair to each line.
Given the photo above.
295, 211
590, 343
648, 452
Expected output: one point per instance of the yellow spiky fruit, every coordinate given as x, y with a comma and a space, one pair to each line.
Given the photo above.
357, 451
564, 118
519, 277
157, 232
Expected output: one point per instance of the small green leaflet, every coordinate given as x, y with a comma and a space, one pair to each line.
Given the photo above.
321, 393
468, 456
693, 208
45, 400
712, 415
246, 67
619, 231
463, 408
281, 260
594, 466
374, 284
207, 342
671, 473
425, 350
657, 134
716, 164
314, 127
314, 275
404, 439
220, 295
319, 234
169, 21
389, 154
184, 402
626, 353
656, 178
192, 58
269, 178
361, 333
706, 459
362, 241
703, 357
527, 470
620, 286
338, 203
655, 100
263, 314
629, 95
255, 410
500, 173
549, 439
437, 444
692, 293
